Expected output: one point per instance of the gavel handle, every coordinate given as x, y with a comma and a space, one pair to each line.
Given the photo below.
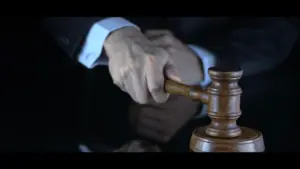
192, 92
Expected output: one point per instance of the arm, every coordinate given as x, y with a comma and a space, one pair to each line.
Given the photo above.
82, 38
255, 45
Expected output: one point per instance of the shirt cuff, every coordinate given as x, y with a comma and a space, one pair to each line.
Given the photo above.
208, 60
93, 46
84, 149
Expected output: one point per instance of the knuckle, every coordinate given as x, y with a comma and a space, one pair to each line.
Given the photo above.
154, 89
142, 101
167, 38
165, 98
159, 95
162, 52
136, 48
161, 100
133, 97
117, 82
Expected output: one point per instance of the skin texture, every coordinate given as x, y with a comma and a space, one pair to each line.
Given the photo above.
160, 122
137, 65
188, 66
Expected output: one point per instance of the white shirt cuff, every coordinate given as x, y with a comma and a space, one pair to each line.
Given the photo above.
208, 60
84, 149
93, 46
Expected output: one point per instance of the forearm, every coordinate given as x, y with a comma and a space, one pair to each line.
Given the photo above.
83, 38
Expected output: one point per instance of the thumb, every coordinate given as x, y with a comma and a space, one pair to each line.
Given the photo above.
172, 73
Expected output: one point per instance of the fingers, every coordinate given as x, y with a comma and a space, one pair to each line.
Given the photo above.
172, 73
117, 80
155, 77
141, 74
135, 85
155, 82
163, 38
131, 80
156, 132
155, 33
161, 122
152, 134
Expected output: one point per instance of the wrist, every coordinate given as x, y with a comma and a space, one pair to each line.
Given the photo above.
120, 34
207, 60
197, 62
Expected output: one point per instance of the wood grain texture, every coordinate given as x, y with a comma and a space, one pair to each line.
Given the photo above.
223, 100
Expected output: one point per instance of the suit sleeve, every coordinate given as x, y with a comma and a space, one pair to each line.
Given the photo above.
255, 45
69, 32
82, 38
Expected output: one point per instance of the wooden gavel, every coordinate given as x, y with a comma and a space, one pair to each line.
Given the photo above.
223, 100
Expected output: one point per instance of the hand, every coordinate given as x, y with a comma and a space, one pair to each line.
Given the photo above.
160, 122
137, 65
184, 59
139, 146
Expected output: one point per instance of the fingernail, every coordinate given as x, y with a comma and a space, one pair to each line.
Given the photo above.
175, 78
173, 74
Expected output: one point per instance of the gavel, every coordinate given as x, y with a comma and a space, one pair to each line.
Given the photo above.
223, 101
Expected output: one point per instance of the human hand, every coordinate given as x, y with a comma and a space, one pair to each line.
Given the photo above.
160, 122
184, 59
137, 65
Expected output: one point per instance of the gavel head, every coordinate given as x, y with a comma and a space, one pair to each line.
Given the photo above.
224, 102
222, 98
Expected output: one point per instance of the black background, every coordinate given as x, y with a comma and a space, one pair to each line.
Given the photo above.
50, 103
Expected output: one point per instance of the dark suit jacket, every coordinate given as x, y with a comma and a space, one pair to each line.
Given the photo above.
254, 44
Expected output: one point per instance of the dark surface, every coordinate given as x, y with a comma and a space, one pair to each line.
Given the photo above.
50, 103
